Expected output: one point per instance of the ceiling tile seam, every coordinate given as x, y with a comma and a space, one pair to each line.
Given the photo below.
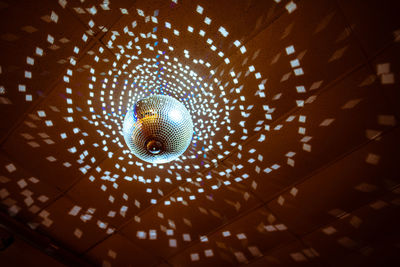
90, 45
370, 61
40, 100
218, 228
64, 245
291, 233
295, 109
33, 173
160, 259
378, 197
321, 262
145, 211
352, 32
172, 191
76, 17
98, 35
380, 51
265, 206
88, 174
251, 37
332, 162
36, 235
93, 40
99, 38
57, 81
297, 237
62, 193
360, 207
323, 89
365, 54
350, 211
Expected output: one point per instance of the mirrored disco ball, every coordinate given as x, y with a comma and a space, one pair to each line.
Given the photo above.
158, 129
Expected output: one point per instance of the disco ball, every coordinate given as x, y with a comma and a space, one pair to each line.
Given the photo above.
158, 129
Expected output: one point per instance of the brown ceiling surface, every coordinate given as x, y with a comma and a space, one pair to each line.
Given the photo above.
295, 156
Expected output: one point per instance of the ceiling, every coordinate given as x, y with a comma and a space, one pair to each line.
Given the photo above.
294, 160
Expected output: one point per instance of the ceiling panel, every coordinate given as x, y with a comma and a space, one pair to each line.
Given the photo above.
12, 256
387, 69
371, 232
71, 225
23, 194
152, 17
341, 187
374, 22
59, 131
293, 254
97, 16
119, 251
35, 53
120, 194
238, 242
337, 120
284, 65
184, 216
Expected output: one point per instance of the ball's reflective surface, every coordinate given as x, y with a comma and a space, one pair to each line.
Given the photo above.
158, 129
